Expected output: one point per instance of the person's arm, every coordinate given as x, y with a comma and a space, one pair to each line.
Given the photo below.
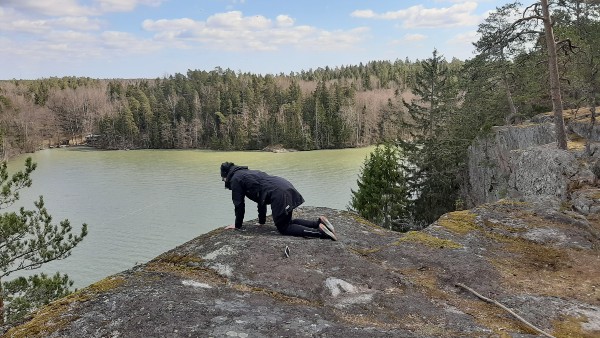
262, 213
237, 195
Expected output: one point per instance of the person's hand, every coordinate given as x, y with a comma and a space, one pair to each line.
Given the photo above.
230, 226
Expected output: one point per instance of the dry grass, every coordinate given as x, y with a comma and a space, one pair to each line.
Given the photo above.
570, 327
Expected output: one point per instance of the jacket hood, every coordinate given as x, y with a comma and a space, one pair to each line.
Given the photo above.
230, 173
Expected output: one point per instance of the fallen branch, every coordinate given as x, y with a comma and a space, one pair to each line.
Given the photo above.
485, 299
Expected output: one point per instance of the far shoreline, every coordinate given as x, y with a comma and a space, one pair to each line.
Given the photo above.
277, 149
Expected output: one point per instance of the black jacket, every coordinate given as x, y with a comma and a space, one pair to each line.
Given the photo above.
263, 189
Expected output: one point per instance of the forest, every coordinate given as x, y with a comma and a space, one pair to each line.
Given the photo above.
218, 109
431, 109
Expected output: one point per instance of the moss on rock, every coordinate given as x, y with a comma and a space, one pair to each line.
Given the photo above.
460, 222
570, 327
56, 315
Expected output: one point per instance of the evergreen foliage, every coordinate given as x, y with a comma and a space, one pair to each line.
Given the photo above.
24, 295
29, 239
382, 195
429, 153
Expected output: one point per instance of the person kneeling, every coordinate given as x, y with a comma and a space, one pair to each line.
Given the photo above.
271, 190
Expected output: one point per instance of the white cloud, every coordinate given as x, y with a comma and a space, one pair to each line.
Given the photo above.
76, 22
36, 8
342, 39
54, 46
127, 43
60, 45
171, 25
106, 6
22, 24
414, 37
461, 14
466, 38
26, 26
65, 32
48, 7
234, 20
364, 13
284, 21
234, 31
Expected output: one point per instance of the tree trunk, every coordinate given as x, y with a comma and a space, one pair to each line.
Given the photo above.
559, 122
1, 305
511, 102
316, 123
592, 99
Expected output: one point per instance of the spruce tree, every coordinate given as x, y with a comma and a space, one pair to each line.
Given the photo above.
382, 196
430, 159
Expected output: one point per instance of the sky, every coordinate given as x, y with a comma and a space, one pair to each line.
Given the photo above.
157, 38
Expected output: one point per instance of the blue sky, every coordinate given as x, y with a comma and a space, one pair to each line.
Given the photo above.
155, 38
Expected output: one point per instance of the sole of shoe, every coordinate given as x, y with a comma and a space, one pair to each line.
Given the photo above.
328, 224
327, 232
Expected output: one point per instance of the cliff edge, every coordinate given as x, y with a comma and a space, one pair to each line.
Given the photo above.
542, 263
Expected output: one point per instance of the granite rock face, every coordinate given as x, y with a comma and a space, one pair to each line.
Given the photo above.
542, 263
583, 129
523, 162
491, 159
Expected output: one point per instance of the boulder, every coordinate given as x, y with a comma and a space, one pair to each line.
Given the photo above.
585, 130
586, 201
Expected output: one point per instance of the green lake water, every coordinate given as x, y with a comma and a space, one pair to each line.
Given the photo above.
139, 204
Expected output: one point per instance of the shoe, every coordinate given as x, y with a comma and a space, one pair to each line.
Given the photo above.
324, 230
326, 222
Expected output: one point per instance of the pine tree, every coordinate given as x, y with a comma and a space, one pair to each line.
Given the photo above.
382, 196
496, 46
527, 27
580, 22
28, 239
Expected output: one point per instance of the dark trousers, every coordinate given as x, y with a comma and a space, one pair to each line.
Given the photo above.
297, 227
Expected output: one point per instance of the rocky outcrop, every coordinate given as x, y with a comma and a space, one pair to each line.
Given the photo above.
523, 162
583, 129
490, 159
542, 263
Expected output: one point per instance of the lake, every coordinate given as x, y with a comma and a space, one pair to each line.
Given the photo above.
141, 203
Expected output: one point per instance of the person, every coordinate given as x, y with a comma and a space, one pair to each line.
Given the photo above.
266, 189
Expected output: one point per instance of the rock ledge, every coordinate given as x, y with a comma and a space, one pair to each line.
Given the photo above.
542, 263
